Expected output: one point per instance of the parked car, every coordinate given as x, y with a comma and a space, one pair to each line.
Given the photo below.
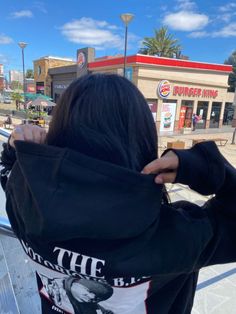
7, 100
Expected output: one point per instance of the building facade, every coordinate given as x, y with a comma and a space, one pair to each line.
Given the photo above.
61, 77
173, 88
42, 79
15, 75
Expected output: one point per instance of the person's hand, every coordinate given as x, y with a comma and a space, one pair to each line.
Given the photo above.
165, 168
29, 133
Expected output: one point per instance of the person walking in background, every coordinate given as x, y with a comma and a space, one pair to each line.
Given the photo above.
8, 122
88, 201
194, 121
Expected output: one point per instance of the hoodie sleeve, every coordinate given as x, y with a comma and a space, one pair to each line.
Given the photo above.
206, 171
7, 160
201, 167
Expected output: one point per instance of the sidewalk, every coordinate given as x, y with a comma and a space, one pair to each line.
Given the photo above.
226, 132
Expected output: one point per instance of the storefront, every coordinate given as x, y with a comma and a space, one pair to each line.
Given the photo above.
40, 88
174, 88
61, 77
178, 88
42, 78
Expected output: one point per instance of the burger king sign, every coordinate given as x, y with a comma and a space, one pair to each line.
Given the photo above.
163, 89
81, 60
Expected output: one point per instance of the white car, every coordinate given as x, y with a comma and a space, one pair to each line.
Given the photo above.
7, 100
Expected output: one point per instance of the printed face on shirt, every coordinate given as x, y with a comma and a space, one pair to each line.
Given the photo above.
82, 293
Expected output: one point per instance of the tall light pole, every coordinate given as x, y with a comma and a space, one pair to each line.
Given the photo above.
126, 18
22, 45
234, 118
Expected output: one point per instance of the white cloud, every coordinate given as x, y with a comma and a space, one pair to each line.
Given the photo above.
40, 6
198, 34
87, 31
228, 7
186, 21
185, 5
227, 31
5, 40
21, 14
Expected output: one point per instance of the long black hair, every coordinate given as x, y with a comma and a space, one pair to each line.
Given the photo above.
107, 117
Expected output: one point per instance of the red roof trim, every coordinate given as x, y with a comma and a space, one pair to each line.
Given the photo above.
161, 62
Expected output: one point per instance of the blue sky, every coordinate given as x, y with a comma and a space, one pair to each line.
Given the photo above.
206, 30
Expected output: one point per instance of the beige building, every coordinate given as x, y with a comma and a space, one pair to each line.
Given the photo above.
175, 89
41, 67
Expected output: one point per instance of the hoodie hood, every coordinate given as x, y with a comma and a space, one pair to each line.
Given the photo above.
61, 194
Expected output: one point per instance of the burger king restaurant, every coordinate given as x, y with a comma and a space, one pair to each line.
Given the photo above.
173, 88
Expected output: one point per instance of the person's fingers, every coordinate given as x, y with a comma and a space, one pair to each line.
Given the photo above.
169, 161
158, 165
165, 177
28, 133
16, 135
37, 134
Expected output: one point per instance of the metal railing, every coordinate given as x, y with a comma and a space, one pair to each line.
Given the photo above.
5, 226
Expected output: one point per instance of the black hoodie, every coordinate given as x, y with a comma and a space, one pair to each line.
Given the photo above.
105, 226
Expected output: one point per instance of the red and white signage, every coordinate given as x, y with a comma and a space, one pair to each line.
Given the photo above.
194, 92
164, 89
81, 59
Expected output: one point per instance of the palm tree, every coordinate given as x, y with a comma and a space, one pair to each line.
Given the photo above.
232, 76
162, 44
18, 98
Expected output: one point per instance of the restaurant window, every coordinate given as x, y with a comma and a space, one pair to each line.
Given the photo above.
202, 107
186, 111
152, 103
215, 114
228, 113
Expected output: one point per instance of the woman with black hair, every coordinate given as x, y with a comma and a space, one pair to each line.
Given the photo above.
87, 200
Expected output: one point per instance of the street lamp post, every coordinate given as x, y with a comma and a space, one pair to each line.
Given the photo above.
234, 118
126, 18
22, 45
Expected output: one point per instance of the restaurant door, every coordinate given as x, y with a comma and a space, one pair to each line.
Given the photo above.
186, 111
202, 107
215, 115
